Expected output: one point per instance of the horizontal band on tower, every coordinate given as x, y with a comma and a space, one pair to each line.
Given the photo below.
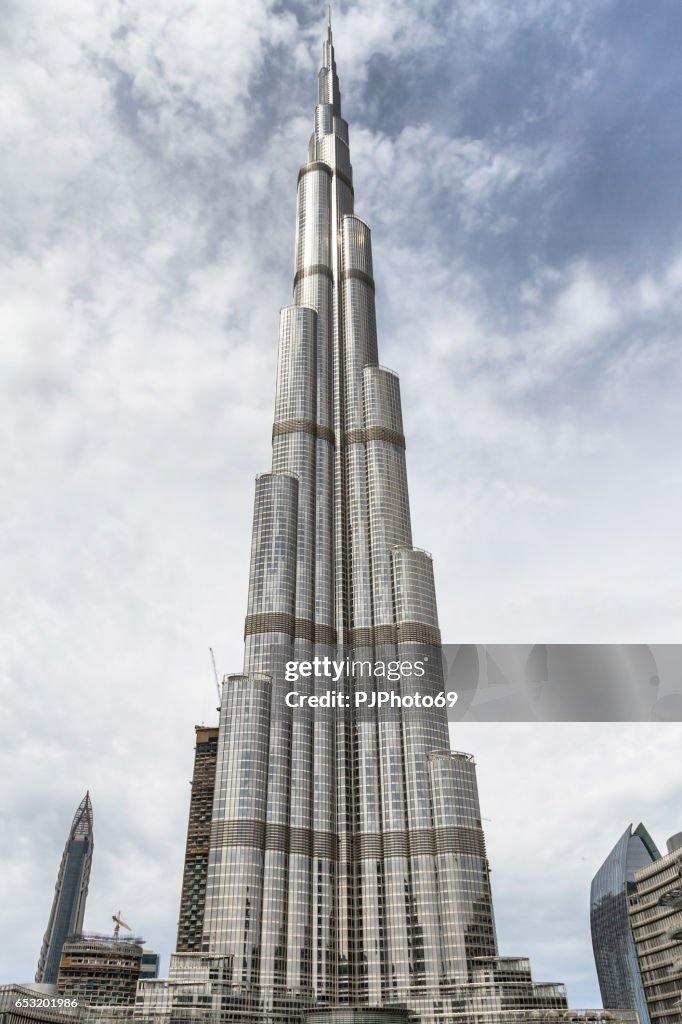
283, 838
315, 268
421, 842
460, 839
366, 846
395, 844
385, 634
319, 165
276, 837
417, 842
301, 426
315, 165
324, 634
362, 435
282, 622
345, 179
368, 636
392, 633
314, 632
269, 622
358, 275
361, 636
417, 633
244, 832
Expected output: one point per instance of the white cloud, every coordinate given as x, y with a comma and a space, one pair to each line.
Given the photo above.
149, 214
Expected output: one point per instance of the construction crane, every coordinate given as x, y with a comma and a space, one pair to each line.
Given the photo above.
118, 924
215, 673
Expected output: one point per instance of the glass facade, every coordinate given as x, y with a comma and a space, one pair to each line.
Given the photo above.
71, 890
347, 878
615, 956
347, 862
656, 919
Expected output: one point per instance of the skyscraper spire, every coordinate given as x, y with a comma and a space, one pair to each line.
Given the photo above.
71, 890
323, 883
347, 870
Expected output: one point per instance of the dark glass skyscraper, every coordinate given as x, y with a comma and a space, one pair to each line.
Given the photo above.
71, 890
615, 955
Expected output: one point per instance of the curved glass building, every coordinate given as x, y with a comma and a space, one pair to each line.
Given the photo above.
615, 956
656, 919
71, 890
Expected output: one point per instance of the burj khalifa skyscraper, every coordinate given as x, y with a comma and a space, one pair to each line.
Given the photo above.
331, 860
347, 877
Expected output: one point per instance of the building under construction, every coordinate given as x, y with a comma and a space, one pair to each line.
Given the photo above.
193, 898
98, 970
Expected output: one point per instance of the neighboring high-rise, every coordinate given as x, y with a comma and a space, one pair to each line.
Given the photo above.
656, 918
150, 964
193, 896
615, 955
71, 890
347, 878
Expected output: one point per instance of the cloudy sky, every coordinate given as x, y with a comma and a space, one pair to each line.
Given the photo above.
520, 166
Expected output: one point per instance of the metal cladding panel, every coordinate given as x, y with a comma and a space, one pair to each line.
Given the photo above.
468, 927
272, 581
357, 246
389, 503
287, 869
358, 317
295, 396
324, 120
335, 152
294, 440
414, 587
270, 626
341, 129
382, 404
232, 917
312, 248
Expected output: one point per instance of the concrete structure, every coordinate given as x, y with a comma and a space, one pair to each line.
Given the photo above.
71, 890
193, 898
656, 918
100, 971
615, 955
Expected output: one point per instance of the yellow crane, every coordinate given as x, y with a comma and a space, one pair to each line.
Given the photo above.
118, 924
